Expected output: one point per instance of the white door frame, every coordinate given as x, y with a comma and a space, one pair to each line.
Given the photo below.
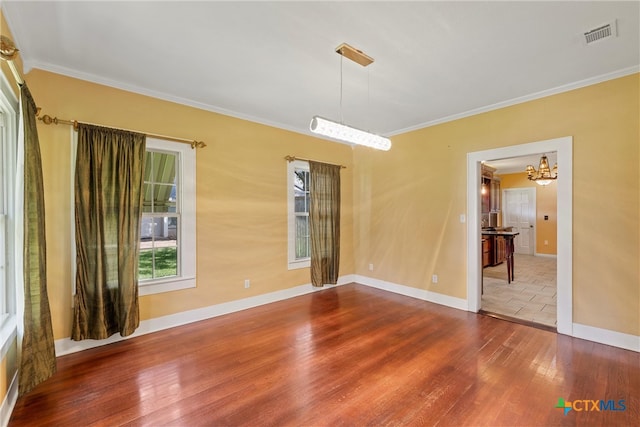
564, 147
533, 195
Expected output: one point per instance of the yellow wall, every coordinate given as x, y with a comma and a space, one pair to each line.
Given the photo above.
241, 193
546, 204
408, 200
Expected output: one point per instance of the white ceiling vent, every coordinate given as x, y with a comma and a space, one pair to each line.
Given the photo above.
605, 31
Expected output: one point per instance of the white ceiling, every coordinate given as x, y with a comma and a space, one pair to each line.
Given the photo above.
274, 62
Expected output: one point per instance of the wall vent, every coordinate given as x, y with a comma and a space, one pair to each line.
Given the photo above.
605, 31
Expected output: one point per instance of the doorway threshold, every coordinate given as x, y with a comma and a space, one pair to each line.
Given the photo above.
516, 320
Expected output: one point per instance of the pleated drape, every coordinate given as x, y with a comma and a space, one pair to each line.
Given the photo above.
324, 222
108, 206
37, 356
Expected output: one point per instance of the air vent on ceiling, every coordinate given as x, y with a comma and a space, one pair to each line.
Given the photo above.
605, 31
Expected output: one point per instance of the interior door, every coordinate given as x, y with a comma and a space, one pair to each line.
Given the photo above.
519, 207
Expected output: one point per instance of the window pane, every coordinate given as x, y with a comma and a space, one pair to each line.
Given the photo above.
159, 229
147, 199
145, 264
302, 202
160, 177
166, 262
164, 198
158, 263
301, 190
302, 237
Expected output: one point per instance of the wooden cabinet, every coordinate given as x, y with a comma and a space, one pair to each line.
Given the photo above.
485, 195
486, 252
495, 195
494, 250
490, 190
499, 250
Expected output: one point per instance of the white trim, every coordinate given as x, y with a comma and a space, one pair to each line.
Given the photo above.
9, 401
606, 336
292, 262
546, 255
8, 335
73, 150
522, 99
564, 147
66, 345
28, 65
434, 297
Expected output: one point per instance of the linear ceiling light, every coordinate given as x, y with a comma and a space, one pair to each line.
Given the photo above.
350, 134
343, 132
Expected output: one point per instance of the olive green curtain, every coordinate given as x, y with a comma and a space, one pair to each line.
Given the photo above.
324, 222
108, 206
38, 356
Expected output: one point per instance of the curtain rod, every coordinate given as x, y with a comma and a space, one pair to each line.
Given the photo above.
48, 120
16, 73
292, 158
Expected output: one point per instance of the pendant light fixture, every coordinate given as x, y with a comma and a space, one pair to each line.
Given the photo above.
544, 175
340, 131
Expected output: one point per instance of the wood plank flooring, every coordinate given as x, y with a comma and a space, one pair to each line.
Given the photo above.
349, 355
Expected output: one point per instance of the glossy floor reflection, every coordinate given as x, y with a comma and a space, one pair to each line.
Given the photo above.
349, 355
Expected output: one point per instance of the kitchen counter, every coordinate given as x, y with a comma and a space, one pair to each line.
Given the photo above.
508, 237
499, 233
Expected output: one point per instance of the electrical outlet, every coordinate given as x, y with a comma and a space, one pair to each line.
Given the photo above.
434, 278
247, 283
370, 267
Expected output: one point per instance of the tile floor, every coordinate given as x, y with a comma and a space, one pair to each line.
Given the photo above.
531, 296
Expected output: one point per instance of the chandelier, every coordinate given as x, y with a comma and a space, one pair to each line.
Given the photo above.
340, 131
544, 175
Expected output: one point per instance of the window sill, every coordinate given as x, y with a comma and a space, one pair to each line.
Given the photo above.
167, 285
294, 265
8, 333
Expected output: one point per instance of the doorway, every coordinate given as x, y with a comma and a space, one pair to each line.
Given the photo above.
563, 146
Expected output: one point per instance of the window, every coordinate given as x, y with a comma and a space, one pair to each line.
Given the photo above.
168, 225
9, 211
298, 218
4, 230
167, 233
160, 217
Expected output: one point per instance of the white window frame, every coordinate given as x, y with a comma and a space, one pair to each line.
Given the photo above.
293, 262
187, 231
11, 216
186, 172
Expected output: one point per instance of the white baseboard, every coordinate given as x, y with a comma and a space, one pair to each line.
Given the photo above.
67, 346
9, 402
545, 255
422, 294
608, 337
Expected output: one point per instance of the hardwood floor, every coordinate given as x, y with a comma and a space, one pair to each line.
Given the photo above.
348, 355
